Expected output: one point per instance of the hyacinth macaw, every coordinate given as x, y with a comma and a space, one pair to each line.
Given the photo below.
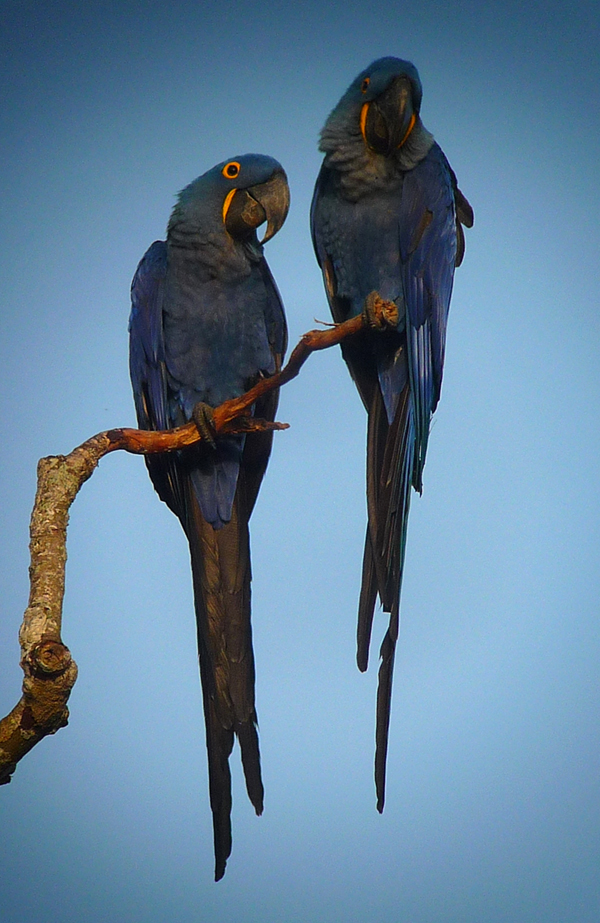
206, 323
386, 224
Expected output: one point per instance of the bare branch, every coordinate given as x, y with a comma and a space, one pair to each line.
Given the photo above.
50, 672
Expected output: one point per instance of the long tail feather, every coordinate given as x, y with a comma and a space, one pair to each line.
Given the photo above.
389, 468
248, 738
219, 744
384, 705
221, 574
366, 605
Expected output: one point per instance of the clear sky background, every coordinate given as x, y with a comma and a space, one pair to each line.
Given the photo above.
493, 803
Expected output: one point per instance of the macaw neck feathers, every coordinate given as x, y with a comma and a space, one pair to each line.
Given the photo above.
208, 254
361, 170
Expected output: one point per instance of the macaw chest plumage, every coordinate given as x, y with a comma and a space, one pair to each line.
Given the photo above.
384, 239
360, 244
215, 336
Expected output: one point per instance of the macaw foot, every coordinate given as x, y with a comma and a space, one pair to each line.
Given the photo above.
203, 417
380, 314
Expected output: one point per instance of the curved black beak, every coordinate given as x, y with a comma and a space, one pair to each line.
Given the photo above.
390, 118
249, 208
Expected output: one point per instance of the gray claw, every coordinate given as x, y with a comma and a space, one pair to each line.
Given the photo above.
203, 417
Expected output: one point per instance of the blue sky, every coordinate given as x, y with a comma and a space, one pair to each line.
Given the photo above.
493, 805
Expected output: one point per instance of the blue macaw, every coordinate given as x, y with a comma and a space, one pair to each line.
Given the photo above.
207, 322
386, 224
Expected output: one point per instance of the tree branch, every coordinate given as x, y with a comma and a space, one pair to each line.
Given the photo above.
50, 672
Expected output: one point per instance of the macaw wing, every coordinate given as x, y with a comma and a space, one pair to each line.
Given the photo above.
274, 315
428, 250
146, 346
148, 370
257, 447
329, 214
315, 220
216, 472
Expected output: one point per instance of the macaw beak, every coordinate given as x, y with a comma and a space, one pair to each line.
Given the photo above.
248, 208
387, 121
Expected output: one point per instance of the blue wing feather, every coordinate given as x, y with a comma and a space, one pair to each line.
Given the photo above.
428, 265
427, 232
147, 366
147, 354
162, 402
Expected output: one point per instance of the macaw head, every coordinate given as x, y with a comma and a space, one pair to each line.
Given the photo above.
379, 113
389, 93
236, 196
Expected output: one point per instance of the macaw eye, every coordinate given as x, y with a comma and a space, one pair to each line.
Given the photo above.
231, 169
365, 85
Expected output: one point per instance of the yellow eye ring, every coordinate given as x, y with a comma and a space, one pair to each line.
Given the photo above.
365, 85
231, 169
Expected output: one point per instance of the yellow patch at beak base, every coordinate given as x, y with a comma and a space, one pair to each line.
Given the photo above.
411, 125
363, 121
227, 203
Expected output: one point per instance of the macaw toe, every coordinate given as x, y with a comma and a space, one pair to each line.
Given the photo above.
380, 314
204, 418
